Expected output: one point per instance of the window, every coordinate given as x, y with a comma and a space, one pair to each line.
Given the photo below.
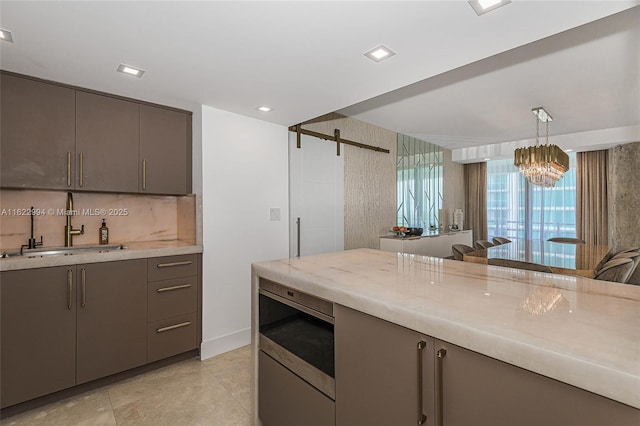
516, 209
419, 169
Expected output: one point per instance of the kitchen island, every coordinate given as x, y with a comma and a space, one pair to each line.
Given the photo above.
567, 330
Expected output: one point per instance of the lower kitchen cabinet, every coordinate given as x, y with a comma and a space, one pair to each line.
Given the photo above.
68, 325
479, 390
38, 340
112, 318
172, 319
287, 400
384, 372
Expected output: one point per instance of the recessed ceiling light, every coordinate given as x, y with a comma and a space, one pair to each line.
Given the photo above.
483, 6
379, 53
568, 150
128, 69
264, 109
487, 159
6, 35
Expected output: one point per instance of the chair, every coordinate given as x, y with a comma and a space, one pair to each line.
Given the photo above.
459, 250
500, 240
627, 250
616, 270
519, 265
566, 240
483, 244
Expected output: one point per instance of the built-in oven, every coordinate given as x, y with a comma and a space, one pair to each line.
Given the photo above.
296, 330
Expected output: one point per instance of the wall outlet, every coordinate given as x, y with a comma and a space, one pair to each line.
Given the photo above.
274, 214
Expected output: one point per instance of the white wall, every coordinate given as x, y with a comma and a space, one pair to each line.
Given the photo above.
244, 174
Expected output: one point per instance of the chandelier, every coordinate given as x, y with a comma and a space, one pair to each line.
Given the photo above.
542, 165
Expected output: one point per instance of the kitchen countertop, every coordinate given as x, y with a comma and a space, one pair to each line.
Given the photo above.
134, 250
576, 330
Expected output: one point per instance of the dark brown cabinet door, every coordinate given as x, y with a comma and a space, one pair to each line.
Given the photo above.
377, 379
106, 143
478, 390
112, 318
165, 151
38, 134
38, 341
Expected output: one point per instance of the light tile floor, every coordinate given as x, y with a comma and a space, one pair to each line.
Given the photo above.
216, 391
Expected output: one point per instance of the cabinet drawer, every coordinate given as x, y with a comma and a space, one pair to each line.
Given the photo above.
166, 268
170, 298
284, 399
171, 336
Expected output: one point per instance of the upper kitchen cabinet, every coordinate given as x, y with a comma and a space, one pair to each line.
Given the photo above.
38, 134
107, 132
165, 151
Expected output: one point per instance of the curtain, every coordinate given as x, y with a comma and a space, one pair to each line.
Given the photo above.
591, 199
475, 191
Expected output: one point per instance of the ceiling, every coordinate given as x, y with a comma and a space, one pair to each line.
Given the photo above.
457, 79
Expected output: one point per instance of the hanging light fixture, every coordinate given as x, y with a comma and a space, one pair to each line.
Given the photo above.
542, 165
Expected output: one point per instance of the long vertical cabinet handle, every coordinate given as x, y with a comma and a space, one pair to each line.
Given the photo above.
68, 168
83, 280
439, 392
144, 175
422, 418
298, 224
81, 169
69, 288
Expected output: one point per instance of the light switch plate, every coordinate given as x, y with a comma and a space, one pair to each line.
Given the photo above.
274, 214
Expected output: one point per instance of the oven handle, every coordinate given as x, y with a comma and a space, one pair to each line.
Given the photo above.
298, 306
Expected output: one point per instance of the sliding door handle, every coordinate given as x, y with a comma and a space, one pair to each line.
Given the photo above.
298, 225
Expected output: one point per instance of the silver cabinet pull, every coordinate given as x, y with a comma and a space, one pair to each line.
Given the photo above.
175, 287
144, 174
68, 168
69, 287
169, 265
173, 327
439, 392
422, 418
83, 275
81, 168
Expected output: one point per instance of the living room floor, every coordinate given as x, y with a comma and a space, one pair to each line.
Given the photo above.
216, 391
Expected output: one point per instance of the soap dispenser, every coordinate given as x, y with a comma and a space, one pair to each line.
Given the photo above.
104, 233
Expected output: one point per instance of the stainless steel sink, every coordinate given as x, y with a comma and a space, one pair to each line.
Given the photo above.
65, 251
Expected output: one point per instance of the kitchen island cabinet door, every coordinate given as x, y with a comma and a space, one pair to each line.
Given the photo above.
106, 143
38, 134
165, 151
377, 372
112, 318
479, 390
38, 341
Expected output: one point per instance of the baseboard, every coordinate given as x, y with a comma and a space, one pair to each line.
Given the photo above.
226, 343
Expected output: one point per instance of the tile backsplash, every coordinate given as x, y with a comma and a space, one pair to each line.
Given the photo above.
129, 217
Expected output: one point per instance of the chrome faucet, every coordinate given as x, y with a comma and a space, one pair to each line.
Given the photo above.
69, 232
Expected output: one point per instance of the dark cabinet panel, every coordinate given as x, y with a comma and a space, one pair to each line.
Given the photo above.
38, 341
171, 336
106, 143
38, 134
287, 400
112, 318
377, 372
165, 151
478, 390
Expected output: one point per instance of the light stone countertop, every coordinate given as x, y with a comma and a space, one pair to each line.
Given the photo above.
134, 250
576, 330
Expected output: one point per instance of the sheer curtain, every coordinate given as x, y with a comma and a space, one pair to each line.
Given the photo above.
591, 209
475, 187
516, 209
